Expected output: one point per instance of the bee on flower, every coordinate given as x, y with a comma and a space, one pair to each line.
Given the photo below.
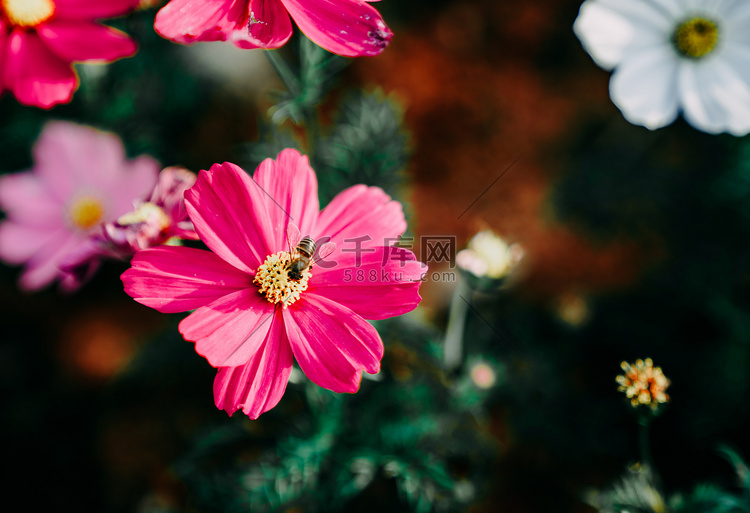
260, 300
643, 383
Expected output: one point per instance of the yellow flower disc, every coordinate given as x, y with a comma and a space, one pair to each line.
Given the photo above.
86, 212
273, 280
27, 13
696, 37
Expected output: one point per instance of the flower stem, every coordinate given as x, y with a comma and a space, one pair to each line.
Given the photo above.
644, 447
283, 70
312, 124
454, 332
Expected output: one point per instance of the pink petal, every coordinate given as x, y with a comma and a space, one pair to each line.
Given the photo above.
331, 343
268, 27
88, 10
85, 41
258, 385
20, 242
384, 284
346, 27
78, 267
367, 213
66, 153
25, 198
169, 191
93, 249
230, 330
190, 21
176, 279
131, 181
44, 267
229, 212
3, 52
184, 230
291, 194
34, 74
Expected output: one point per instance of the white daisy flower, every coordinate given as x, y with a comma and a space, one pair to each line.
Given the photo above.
673, 55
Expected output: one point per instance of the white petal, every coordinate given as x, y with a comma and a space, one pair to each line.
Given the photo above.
610, 29
675, 9
716, 95
735, 24
716, 7
735, 9
644, 88
694, 5
738, 58
604, 34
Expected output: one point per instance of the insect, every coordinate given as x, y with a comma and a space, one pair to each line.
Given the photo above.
303, 256
252, 21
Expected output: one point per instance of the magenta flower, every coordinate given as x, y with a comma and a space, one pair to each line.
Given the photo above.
39, 39
79, 180
347, 27
251, 316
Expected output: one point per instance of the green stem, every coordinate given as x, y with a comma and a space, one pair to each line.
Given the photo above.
313, 131
454, 332
284, 71
294, 87
644, 446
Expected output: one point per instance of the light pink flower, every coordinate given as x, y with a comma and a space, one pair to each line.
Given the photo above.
79, 180
160, 219
39, 39
346, 27
318, 319
155, 221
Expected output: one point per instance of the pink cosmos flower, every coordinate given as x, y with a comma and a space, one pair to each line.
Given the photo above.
80, 179
347, 27
161, 219
158, 219
39, 39
155, 221
251, 316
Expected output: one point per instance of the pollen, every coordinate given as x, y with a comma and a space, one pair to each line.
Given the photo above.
696, 37
147, 213
643, 383
272, 279
86, 212
27, 13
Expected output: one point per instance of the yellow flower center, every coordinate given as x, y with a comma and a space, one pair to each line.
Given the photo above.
86, 212
147, 213
27, 13
696, 37
273, 280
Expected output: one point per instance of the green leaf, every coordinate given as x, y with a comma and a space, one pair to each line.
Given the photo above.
366, 145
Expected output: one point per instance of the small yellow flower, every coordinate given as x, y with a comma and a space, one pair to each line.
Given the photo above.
643, 383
